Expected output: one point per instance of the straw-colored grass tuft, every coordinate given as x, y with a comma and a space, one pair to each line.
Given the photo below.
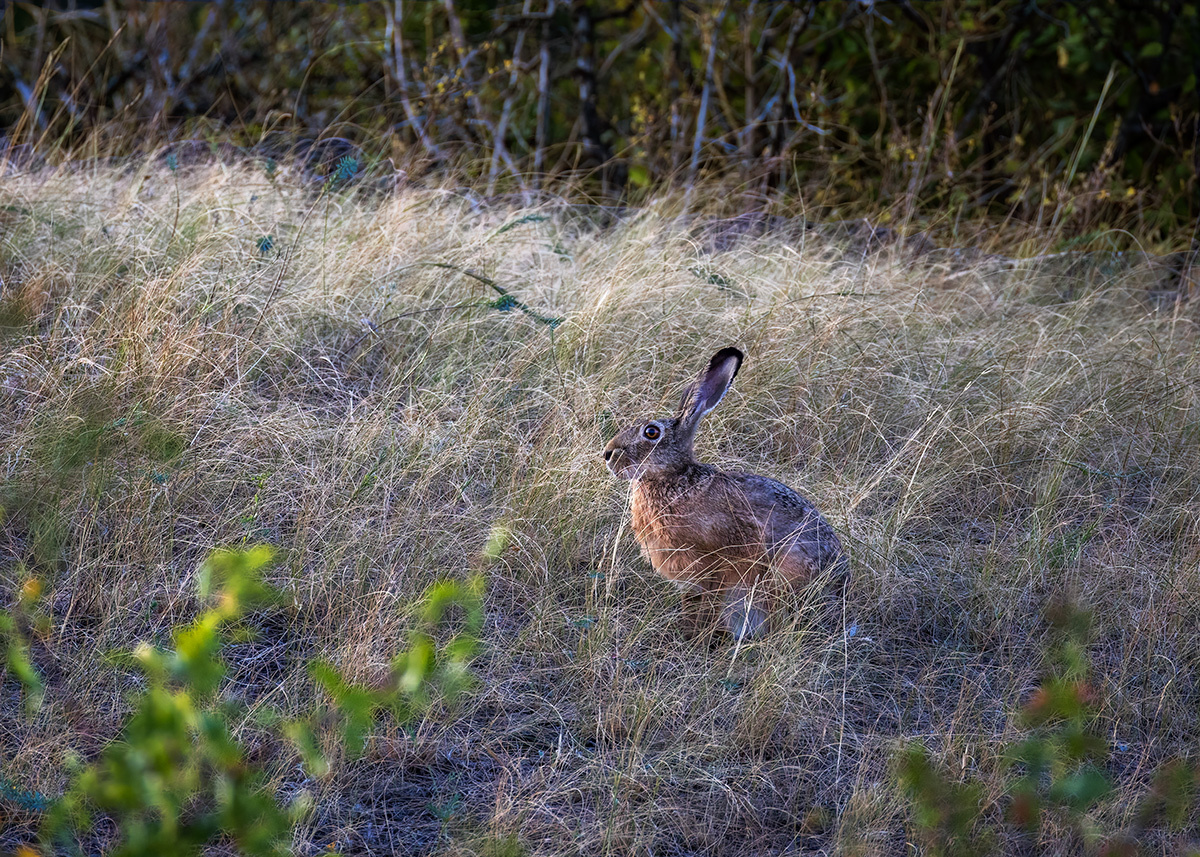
214, 356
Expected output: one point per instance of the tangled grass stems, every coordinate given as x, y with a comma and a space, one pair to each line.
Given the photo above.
985, 440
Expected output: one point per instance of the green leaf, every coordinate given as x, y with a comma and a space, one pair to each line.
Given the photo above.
302, 737
418, 664
16, 660
356, 705
1081, 790
197, 662
236, 578
179, 778
498, 540
521, 221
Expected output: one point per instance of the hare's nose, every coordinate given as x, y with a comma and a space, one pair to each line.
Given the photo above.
607, 454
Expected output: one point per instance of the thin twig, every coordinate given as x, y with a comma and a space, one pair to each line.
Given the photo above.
705, 94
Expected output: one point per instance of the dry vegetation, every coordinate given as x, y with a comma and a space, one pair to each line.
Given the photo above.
172, 381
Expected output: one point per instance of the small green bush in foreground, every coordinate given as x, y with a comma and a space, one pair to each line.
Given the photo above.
1058, 770
178, 779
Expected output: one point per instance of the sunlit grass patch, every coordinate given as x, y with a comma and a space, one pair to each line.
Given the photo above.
360, 395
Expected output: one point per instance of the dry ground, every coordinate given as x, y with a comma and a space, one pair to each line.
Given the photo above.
173, 380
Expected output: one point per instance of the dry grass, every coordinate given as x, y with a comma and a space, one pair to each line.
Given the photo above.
983, 444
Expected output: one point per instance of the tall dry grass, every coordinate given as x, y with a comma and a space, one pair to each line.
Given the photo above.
214, 356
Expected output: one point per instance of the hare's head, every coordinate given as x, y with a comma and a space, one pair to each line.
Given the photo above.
661, 447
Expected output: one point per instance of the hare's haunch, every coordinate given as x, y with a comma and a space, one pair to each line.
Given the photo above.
739, 534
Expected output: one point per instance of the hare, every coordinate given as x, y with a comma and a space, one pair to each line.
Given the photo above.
739, 535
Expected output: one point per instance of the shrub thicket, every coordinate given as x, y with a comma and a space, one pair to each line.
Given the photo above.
1079, 115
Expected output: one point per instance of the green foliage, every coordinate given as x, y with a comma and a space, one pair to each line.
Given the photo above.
178, 778
506, 301
425, 672
1061, 761
14, 644
14, 649
30, 801
86, 436
347, 168
499, 539
944, 810
1059, 766
713, 277
94, 431
1172, 796
521, 221
982, 105
85, 446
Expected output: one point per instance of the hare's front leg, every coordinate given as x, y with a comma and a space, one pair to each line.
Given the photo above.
698, 604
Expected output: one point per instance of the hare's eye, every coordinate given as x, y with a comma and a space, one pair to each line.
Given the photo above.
651, 432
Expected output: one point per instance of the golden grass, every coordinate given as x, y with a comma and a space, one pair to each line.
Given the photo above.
983, 442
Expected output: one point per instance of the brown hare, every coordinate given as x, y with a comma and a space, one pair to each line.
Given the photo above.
739, 535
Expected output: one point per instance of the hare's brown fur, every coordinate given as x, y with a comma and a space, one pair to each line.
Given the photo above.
739, 533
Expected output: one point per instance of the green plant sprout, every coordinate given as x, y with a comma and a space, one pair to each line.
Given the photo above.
178, 778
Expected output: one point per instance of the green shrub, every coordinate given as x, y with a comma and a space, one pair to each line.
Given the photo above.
178, 779
1058, 769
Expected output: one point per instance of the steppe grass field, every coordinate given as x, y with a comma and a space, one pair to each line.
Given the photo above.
225, 355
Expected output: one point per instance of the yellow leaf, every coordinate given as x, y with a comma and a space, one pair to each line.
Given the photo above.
32, 590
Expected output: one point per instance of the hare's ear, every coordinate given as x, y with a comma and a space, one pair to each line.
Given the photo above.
709, 388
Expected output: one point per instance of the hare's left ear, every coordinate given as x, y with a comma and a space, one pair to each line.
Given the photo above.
709, 388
